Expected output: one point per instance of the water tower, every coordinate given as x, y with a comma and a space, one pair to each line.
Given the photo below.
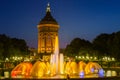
47, 33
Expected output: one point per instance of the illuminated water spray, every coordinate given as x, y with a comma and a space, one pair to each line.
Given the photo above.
55, 57
56, 52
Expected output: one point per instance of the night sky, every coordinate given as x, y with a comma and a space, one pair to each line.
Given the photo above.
77, 18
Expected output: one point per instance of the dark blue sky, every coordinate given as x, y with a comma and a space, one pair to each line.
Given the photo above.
77, 18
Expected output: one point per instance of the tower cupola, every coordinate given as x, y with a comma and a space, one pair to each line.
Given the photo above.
48, 19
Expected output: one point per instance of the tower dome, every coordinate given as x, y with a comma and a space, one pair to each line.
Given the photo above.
48, 19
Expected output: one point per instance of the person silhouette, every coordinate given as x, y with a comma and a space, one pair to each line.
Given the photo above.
68, 77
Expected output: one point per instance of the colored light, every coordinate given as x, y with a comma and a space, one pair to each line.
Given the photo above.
81, 73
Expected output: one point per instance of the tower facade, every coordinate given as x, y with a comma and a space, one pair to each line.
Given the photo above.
47, 32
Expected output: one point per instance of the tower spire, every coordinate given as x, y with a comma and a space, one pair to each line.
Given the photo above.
48, 8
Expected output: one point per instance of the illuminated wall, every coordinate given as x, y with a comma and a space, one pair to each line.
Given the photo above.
46, 38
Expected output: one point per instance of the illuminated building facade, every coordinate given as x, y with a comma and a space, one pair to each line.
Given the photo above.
47, 31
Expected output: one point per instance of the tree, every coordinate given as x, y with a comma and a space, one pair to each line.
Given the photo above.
100, 43
74, 47
114, 45
1, 51
108, 44
103, 44
12, 46
20, 45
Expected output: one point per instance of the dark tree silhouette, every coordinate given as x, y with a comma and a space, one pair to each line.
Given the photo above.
12, 46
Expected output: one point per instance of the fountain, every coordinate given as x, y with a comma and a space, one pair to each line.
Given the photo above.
22, 69
45, 69
57, 66
40, 69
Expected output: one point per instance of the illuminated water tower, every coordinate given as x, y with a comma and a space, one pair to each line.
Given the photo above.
47, 33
